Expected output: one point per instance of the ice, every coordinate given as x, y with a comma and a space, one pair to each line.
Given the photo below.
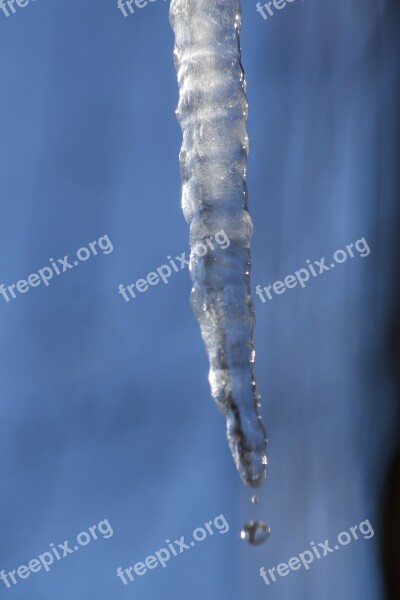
212, 112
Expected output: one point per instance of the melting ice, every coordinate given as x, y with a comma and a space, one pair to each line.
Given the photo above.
212, 112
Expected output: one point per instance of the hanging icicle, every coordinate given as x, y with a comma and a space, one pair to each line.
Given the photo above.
212, 112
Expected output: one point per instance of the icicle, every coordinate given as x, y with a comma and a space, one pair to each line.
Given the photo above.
212, 112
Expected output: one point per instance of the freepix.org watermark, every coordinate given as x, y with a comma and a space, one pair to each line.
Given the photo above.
126, 6
176, 264
8, 6
318, 267
268, 9
173, 549
59, 266
318, 551
45, 560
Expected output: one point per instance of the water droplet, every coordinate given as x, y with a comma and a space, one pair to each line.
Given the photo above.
254, 499
255, 532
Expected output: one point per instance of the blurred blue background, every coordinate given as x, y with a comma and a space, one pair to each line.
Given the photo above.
105, 405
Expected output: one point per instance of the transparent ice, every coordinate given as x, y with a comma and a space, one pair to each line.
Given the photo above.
212, 112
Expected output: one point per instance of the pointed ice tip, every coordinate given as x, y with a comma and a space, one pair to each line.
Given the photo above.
253, 474
247, 441
250, 462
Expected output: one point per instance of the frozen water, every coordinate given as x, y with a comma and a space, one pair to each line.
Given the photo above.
212, 112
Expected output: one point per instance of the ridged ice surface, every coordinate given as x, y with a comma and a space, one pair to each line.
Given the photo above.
212, 112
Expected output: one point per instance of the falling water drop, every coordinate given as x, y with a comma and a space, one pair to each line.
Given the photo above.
255, 532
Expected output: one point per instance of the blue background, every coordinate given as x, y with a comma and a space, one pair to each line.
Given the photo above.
105, 405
